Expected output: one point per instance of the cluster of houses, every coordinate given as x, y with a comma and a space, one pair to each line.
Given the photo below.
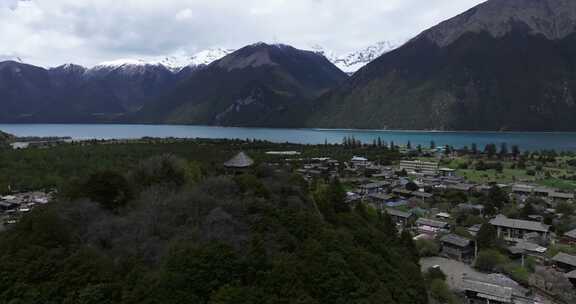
386, 189
13, 206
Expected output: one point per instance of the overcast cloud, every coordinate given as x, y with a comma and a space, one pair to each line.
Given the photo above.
52, 32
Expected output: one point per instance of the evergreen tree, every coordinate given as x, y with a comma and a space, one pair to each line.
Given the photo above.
474, 149
490, 150
338, 196
515, 151
386, 225
503, 149
487, 237
407, 241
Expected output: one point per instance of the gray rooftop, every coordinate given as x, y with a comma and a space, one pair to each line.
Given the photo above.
398, 213
431, 223
565, 259
241, 160
380, 196
503, 221
374, 185
422, 194
461, 187
571, 275
561, 195
571, 234
488, 290
455, 240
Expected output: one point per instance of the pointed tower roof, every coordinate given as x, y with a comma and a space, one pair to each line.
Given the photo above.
241, 160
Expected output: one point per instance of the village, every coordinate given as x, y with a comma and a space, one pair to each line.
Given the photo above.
499, 235
14, 206
533, 253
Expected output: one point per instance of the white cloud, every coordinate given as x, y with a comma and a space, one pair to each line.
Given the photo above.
50, 32
185, 14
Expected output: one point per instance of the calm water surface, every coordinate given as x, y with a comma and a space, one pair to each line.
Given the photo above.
526, 141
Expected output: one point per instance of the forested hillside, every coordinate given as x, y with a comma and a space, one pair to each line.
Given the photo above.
167, 230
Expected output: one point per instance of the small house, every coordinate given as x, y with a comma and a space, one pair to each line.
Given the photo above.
400, 218
379, 199
564, 262
514, 230
430, 226
569, 237
457, 247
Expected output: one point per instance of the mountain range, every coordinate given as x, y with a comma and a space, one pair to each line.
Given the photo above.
502, 65
258, 85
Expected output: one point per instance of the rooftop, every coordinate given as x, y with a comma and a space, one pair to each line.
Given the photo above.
241, 160
455, 240
565, 259
503, 221
431, 223
571, 234
380, 196
398, 213
488, 291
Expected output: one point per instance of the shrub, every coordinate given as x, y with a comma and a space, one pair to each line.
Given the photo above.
427, 248
490, 260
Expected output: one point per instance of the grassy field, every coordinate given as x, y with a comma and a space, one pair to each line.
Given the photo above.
491, 176
558, 183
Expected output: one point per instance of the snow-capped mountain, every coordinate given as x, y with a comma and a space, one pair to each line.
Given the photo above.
353, 61
4, 57
174, 63
177, 62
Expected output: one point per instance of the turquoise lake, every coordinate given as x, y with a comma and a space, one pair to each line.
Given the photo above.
526, 141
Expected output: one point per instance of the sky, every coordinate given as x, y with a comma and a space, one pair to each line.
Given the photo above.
52, 32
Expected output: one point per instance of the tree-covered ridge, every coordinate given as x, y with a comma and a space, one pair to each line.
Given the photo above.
58, 167
4, 137
164, 231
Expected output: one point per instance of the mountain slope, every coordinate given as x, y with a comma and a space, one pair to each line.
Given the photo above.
133, 83
258, 85
503, 65
24, 90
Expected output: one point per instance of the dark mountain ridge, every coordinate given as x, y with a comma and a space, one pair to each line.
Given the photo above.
258, 85
503, 65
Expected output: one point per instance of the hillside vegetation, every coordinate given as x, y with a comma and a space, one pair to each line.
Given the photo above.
165, 231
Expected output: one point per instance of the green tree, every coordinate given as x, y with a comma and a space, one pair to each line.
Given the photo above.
108, 188
490, 260
487, 237
407, 240
490, 150
498, 197
503, 149
411, 186
515, 151
439, 291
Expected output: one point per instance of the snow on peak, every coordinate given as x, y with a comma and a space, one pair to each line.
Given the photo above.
10, 58
353, 61
174, 63
123, 62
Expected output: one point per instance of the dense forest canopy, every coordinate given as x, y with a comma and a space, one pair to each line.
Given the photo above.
166, 229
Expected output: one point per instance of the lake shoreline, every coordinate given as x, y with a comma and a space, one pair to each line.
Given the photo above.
560, 141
